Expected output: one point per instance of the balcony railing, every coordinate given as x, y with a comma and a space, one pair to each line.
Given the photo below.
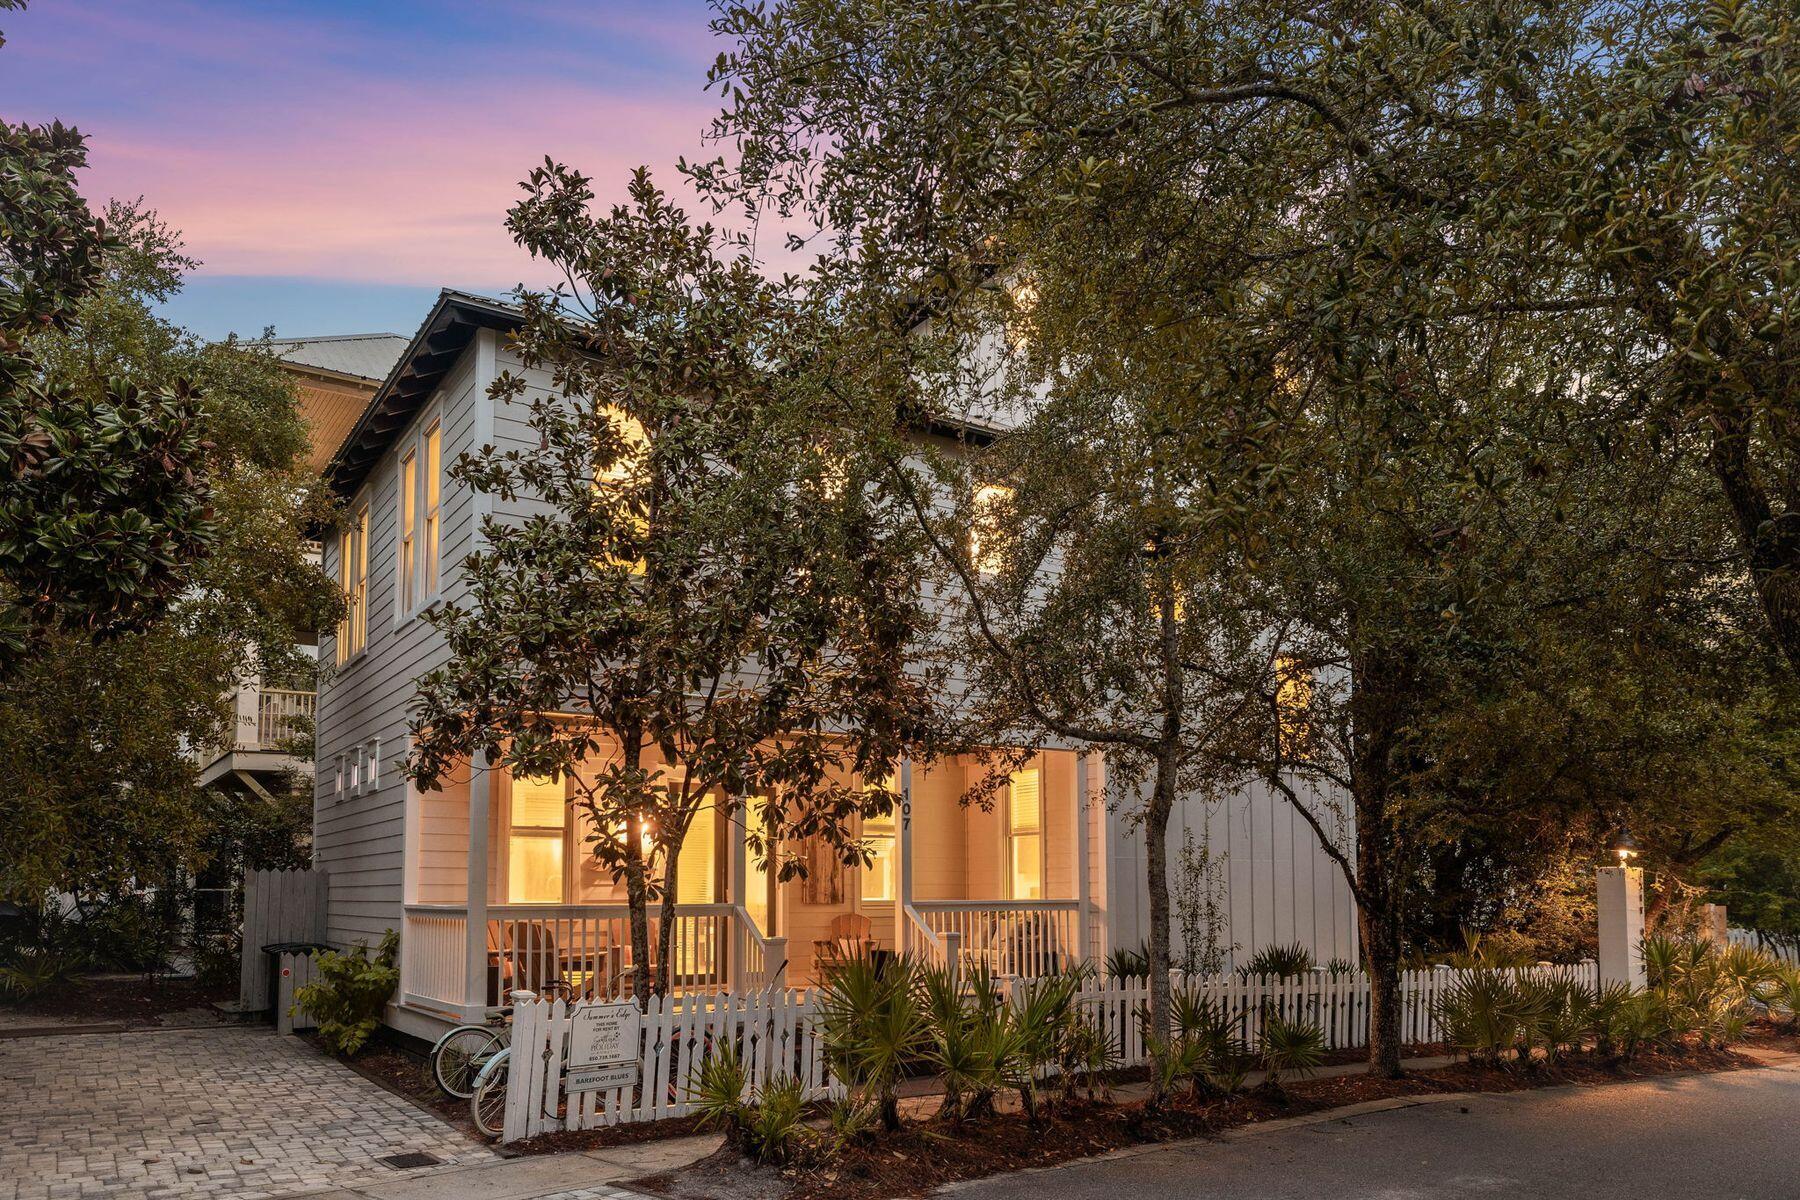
284, 716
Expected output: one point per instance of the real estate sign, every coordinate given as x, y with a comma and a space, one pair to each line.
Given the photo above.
603, 1047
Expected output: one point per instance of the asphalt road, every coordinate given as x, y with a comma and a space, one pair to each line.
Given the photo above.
1731, 1136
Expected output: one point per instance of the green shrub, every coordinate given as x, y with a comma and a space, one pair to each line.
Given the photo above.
1783, 995
37, 974
1290, 1048
1128, 963
873, 1024
1479, 1015
769, 1126
348, 992
1279, 962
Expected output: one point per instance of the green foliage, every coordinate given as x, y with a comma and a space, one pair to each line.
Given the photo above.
1127, 962
873, 1023
719, 1091
768, 1125
38, 973
105, 496
1783, 995
349, 991
1290, 1047
1279, 962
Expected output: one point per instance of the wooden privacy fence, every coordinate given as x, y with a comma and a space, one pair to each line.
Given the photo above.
279, 906
1337, 1004
774, 1031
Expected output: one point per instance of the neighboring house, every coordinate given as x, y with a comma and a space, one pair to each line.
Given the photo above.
335, 378
486, 881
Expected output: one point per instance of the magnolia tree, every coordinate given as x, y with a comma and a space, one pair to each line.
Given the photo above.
704, 606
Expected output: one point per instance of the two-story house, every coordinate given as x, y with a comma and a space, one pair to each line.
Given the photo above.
486, 880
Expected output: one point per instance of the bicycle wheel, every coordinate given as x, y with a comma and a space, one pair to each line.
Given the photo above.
488, 1103
459, 1055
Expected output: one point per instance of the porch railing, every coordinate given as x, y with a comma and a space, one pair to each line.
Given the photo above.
587, 946
283, 716
1008, 937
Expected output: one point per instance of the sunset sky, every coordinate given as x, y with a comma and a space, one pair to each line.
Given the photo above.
331, 163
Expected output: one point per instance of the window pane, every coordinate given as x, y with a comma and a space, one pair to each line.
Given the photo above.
695, 876
878, 876
537, 802
535, 868
1025, 810
986, 550
1027, 867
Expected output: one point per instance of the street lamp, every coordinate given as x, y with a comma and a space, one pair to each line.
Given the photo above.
1625, 847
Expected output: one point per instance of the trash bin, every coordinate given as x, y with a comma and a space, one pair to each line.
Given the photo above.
273, 951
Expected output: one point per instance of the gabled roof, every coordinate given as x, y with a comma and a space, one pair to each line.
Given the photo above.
407, 387
366, 356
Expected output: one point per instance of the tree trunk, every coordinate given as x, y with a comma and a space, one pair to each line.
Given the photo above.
1768, 540
1156, 860
637, 890
1381, 950
665, 933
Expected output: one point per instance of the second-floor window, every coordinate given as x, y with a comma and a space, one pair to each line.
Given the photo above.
418, 507
987, 543
408, 506
353, 581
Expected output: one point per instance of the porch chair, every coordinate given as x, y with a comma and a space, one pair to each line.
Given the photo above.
847, 937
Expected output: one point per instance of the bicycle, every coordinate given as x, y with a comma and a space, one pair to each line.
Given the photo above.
458, 1057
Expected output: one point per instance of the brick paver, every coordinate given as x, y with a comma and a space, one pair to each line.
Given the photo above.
207, 1114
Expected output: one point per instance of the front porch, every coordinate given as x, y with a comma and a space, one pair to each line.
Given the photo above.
997, 888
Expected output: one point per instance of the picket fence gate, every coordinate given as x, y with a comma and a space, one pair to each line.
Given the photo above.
774, 1032
279, 906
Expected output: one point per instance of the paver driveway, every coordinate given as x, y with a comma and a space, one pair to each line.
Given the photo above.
218, 1114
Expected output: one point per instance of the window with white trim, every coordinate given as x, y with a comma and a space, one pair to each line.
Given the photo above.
353, 582
418, 510
434, 491
406, 572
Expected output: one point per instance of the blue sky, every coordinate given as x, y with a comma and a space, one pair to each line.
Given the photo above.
332, 164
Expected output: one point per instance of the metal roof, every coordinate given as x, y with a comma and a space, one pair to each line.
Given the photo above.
367, 356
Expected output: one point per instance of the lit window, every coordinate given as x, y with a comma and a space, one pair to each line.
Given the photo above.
408, 566
878, 839
535, 845
1024, 295
630, 431
353, 582
434, 490
1293, 697
986, 543
1025, 834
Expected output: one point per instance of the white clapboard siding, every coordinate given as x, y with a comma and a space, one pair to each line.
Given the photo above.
279, 906
774, 1031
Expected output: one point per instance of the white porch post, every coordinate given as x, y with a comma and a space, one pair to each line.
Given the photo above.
476, 895
903, 880
1621, 903
1083, 910
737, 892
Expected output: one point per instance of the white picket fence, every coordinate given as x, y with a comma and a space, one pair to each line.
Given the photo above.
1338, 1005
1783, 952
774, 1032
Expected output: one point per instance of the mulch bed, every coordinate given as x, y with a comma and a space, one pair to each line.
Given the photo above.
134, 1002
923, 1157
